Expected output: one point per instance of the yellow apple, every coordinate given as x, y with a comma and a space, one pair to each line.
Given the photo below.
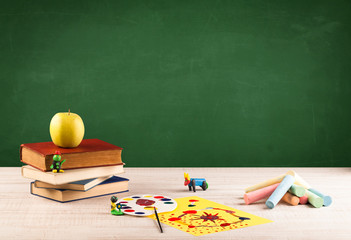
66, 129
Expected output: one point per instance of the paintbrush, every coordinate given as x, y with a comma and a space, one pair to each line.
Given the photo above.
158, 220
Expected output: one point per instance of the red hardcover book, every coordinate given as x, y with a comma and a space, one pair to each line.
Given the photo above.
90, 153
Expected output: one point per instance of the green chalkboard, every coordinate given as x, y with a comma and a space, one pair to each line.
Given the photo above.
182, 83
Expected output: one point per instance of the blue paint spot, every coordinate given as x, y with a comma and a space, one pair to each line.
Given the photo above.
244, 218
135, 197
126, 207
139, 213
166, 199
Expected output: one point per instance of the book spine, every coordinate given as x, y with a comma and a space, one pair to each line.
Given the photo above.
48, 162
21, 147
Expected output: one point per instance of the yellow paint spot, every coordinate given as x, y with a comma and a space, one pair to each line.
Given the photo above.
127, 199
147, 196
149, 208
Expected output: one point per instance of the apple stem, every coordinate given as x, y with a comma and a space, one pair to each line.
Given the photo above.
69, 111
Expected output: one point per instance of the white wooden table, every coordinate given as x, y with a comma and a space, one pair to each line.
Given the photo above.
24, 216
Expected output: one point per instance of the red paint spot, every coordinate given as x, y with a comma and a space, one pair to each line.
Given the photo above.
158, 197
173, 219
193, 200
123, 202
225, 224
178, 225
129, 210
190, 212
144, 202
191, 226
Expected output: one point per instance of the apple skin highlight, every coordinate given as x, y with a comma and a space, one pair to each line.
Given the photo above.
67, 129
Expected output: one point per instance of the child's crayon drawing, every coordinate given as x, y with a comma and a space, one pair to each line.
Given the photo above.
204, 217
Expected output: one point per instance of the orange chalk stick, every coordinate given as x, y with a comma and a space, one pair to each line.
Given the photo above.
304, 199
291, 199
259, 194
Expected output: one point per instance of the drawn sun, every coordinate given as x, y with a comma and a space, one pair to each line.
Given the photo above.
209, 217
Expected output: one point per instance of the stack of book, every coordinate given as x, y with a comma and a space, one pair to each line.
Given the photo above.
89, 170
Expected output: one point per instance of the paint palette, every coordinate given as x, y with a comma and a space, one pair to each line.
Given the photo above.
143, 205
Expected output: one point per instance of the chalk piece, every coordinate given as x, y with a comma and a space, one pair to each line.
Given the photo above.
327, 200
268, 182
299, 180
315, 200
297, 190
291, 199
304, 199
259, 194
280, 191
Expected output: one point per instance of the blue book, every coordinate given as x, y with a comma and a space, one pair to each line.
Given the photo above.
112, 185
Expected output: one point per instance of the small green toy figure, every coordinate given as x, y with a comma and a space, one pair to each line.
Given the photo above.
57, 163
114, 199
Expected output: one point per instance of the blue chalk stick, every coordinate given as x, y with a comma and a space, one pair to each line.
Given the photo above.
327, 199
279, 192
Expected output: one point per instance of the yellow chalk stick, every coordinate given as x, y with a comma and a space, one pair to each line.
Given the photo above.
299, 180
268, 182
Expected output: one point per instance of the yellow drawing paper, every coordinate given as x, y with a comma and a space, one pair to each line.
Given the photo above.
199, 216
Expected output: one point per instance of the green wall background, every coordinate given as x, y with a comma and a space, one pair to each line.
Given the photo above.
182, 83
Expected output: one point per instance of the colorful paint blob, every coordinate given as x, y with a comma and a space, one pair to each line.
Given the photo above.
129, 210
190, 212
165, 199
144, 202
158, 197
225, 224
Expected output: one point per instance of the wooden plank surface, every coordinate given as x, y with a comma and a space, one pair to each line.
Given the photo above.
24, 216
